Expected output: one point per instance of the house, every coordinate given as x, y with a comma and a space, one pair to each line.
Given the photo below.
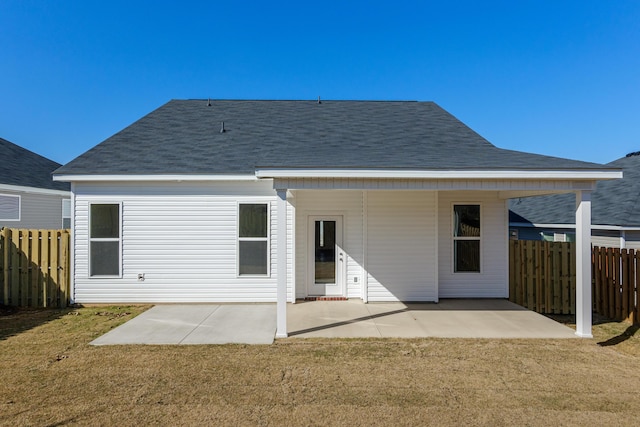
29, 198
615, 215
272, 201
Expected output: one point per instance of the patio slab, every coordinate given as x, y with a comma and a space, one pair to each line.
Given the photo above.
450, 318
197, 324
183, 324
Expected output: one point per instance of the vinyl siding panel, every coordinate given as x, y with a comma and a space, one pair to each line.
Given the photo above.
183, 238
42, 211
327, 202
633, 239
401, 245
492, 281
606, 238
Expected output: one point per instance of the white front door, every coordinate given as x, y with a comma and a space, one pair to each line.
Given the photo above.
325, 266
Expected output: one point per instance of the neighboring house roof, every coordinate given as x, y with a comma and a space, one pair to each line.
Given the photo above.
184, 137
21, 167
615, 202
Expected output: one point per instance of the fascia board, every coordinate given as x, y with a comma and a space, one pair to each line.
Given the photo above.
568, 174
34, 190
152, 178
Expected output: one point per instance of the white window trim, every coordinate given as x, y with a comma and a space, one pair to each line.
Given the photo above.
253, 239
63, 216
108, 239
454, 238
19, 207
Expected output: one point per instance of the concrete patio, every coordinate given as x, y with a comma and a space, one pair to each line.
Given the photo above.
450, 318
256, 323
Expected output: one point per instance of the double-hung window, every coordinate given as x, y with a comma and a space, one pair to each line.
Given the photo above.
9, 207
466, 238
253, 239
104, 239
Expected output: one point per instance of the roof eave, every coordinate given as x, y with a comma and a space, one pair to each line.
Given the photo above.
540, 174
150, 177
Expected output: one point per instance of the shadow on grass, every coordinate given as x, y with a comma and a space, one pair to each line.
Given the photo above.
15, 320
628, 333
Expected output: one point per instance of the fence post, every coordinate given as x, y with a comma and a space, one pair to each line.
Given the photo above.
4, 260
64, 272
636, 285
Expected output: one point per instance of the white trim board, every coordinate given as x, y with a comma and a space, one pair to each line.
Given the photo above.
593, 226
148, 178
595, 174
34, 190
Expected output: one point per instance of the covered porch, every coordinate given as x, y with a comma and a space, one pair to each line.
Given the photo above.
489, 190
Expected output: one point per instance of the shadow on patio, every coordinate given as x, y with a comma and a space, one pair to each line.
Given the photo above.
450, 318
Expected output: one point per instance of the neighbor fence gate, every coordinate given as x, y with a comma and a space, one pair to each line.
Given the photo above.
34, 267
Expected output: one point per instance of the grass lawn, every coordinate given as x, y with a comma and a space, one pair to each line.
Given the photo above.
49, 375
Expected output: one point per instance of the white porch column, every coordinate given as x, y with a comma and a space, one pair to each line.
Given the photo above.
281, 245
583, 264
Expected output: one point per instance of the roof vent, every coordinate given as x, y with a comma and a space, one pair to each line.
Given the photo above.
319, 102
208, 102
222, 129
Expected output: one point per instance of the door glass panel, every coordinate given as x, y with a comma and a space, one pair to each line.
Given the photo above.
325, 248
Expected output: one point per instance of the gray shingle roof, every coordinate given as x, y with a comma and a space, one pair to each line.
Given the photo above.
25, 168
183, 137
615, 202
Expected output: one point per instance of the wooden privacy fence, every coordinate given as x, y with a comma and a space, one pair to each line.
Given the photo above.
34, 267
542, 276
616, 276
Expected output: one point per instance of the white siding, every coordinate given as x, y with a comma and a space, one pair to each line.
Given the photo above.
183, 237
327, 202
492, 281
401, 245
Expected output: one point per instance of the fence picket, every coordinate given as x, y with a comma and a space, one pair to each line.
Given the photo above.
597, 269
548, 283
34, 263
611, 283
53, 268
64, 278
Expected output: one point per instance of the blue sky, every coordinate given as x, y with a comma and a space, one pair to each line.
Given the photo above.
560, 78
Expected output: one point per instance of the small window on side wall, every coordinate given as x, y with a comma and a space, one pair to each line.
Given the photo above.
104, 240
66, 213
466, 238
253, 239
9, 207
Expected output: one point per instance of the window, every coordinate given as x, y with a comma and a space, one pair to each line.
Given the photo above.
253, 239
9, 207
66, 213
104, 240
466, 238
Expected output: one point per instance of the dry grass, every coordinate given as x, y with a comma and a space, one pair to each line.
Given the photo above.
51, 376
